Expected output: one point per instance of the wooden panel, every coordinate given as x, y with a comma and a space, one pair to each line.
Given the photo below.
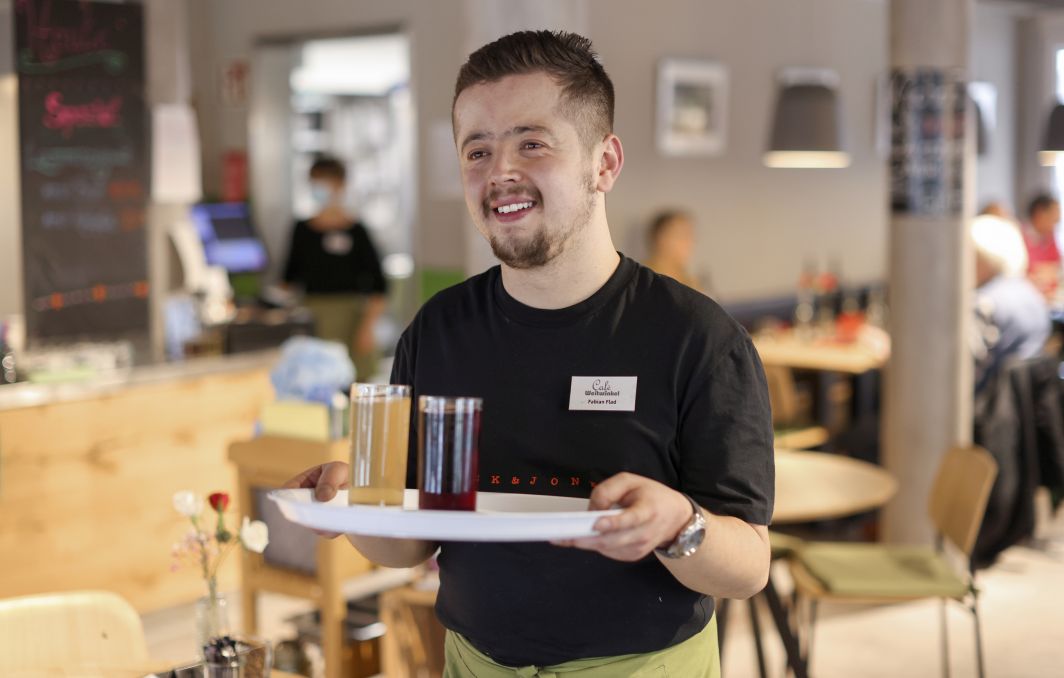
86, 486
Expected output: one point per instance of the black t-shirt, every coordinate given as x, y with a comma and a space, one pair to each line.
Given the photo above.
339, 261
701, 424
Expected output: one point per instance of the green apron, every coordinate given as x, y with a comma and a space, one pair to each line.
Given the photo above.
696, 657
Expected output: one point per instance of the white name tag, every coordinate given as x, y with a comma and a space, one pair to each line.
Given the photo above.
607, 394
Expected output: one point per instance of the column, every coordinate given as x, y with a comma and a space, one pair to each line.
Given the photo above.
928, 385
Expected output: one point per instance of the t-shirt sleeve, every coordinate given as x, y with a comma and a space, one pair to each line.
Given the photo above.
726, 442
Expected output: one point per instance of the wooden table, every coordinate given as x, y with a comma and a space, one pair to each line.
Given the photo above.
786, 350
820, 486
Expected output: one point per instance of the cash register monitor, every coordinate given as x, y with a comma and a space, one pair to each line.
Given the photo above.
229, 238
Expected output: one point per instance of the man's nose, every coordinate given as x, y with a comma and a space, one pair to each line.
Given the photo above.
505, 169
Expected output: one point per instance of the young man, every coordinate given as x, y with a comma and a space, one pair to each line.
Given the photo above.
685, 449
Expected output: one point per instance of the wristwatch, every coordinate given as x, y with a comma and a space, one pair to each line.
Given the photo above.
690, 537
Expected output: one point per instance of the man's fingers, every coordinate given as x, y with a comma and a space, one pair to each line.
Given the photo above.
627, 519
612, 490
623, 545
333, 477
308, 478
325, 480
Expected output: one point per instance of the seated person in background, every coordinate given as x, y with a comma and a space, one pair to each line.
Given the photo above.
1012, 318
672, 243
332, 258
1044, 265
995, 209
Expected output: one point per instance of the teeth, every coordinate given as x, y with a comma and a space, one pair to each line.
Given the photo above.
507, 209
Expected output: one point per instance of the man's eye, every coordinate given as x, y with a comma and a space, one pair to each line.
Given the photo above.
476, 155
532, 145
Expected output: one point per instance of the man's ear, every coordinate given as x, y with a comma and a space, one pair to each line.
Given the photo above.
610, 162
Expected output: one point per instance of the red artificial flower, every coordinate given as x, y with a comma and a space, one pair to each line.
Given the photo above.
218, 501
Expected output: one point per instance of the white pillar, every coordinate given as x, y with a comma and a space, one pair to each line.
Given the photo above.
928, 385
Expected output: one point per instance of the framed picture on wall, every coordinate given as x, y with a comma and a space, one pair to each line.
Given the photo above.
692, 107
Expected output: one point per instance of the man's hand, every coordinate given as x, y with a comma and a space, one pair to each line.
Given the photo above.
325, 480
653, 515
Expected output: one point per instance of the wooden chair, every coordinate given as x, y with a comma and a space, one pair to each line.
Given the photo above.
787, 412
266, 463
889, 573
413, 644
78, 630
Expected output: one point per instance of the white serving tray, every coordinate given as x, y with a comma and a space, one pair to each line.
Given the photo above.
499, 517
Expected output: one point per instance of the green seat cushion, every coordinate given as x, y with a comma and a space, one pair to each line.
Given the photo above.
783, 545
881, 570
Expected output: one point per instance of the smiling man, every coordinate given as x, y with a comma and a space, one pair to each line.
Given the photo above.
600, 379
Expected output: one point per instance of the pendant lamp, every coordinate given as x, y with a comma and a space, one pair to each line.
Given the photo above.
1053, 145
807, 125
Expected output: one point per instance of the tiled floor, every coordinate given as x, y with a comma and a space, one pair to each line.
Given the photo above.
1022, 608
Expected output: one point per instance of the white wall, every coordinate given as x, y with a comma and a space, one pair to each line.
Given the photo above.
756, 225
994, 60
1039, 36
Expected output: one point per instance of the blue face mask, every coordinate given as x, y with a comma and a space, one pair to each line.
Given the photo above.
321, 193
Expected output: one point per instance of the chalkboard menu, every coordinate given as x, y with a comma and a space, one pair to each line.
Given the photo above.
927, 142
83, 134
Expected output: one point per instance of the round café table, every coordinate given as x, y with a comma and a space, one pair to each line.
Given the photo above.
813, 486
821, 485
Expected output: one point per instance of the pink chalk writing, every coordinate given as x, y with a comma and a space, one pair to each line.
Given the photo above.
96, 113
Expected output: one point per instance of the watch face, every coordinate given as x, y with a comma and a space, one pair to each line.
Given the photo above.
689, 542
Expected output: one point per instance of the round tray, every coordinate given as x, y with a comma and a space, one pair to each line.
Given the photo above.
499, 517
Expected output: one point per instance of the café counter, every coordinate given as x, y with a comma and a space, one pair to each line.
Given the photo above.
87, 472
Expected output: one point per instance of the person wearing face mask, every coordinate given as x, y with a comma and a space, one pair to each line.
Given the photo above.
333, 259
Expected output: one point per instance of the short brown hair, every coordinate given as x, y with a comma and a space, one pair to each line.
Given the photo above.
568, 58
1042, 201
328, 167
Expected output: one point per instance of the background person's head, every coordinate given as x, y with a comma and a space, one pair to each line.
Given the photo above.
327, 178
995, 208
672, 238
999, 249
1043, 213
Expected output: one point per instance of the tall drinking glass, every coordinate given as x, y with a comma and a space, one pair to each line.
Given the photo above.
448, 438
380, 434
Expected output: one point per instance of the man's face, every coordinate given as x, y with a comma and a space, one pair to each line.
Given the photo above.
530, 183
1045, 220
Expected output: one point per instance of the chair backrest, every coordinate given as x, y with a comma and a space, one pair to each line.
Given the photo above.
959, 495
413, 645
781, 394
68, 631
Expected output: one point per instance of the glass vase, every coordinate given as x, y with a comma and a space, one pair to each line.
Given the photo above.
212, 620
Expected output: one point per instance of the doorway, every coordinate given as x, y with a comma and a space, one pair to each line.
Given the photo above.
348, 97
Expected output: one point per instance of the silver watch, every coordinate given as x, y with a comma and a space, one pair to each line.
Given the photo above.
690, 537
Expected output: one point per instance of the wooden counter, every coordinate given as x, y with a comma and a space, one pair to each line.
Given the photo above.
87, 473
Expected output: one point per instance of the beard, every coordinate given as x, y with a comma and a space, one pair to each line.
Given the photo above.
541, 247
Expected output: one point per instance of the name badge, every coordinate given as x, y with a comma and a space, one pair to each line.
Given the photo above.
604, 394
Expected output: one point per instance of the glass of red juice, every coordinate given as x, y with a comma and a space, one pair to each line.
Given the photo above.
448, 438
